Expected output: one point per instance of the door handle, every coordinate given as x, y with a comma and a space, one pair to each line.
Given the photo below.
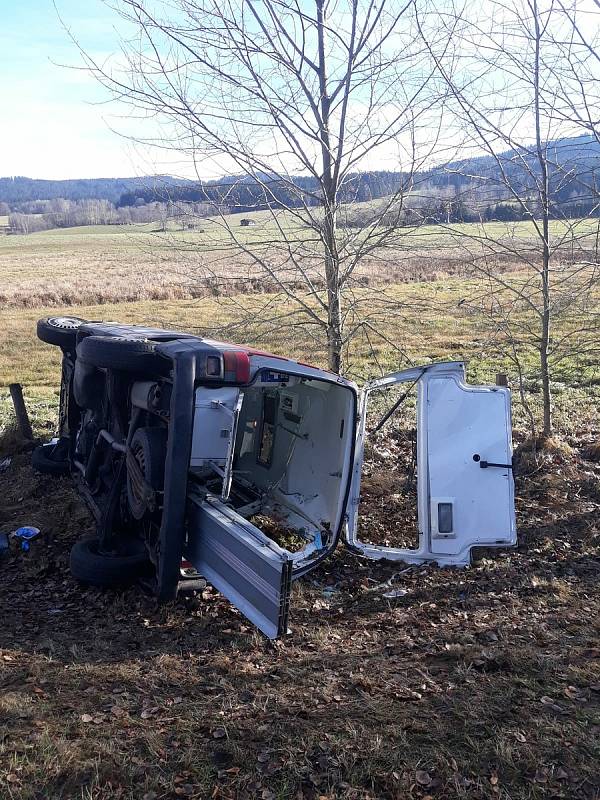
485, 464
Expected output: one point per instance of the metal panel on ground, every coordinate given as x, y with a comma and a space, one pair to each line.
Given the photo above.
241, 562
469, 454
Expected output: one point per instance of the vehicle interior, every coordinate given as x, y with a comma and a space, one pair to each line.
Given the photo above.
290, 461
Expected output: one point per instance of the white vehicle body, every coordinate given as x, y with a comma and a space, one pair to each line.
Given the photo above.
309, 479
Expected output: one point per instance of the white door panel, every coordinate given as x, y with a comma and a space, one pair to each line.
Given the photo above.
460, 504
478, 504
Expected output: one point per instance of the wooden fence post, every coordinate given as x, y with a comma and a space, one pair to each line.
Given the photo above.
23, 424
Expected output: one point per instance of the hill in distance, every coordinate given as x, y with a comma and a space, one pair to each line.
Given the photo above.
577, 156
19, 189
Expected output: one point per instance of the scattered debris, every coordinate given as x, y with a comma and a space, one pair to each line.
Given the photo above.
26, 535
395, 593
390, 581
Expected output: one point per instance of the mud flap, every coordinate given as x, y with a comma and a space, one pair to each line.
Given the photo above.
253, 573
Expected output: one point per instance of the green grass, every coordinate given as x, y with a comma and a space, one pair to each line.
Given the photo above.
520, 230
210, 232
429, 325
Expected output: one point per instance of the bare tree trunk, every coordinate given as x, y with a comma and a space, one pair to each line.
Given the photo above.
334, 305
544, 348
330, 189
544, 193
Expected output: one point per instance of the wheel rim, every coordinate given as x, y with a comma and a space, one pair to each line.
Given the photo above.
65, 323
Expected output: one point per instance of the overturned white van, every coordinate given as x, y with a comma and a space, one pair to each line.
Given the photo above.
192, 451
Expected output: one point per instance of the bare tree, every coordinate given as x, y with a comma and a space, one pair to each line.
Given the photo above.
296, 100
27, 223
505, 73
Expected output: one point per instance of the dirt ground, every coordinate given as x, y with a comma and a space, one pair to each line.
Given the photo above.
481, 683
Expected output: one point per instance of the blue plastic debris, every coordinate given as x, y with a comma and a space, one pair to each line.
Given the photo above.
3, 544
26, 534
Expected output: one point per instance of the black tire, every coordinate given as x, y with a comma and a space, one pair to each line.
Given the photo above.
60, 331
50, 459
127, 355
89, 385
87, 329
88, 565
148, 448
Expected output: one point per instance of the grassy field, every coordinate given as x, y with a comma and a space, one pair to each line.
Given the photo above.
428, 327
107, 264
477, 684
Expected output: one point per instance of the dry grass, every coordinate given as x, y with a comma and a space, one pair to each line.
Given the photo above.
107, 264
428, 325
477, 684
35, 364
103, 268
79, 266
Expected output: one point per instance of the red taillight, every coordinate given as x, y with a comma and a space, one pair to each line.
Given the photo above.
236, 364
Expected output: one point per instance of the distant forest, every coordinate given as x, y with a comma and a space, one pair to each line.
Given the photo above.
17, 190
461, 191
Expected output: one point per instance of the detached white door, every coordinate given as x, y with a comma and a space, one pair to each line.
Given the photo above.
465, 489
470, 495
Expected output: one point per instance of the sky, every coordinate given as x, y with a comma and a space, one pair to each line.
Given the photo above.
54, 121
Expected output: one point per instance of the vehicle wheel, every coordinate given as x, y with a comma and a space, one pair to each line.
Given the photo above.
88, 329
129, 355
51, 459
89, 565
60, 331
148, 448
89, 384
